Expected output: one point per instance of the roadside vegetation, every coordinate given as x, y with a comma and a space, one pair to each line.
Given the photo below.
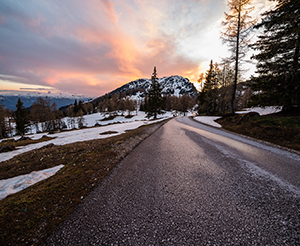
30, 216
22, 141
280, 129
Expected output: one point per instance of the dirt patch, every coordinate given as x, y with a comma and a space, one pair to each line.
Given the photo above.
30, 216
111, 117
22, 141
108, 132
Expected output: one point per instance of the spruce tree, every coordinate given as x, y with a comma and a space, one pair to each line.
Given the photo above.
278, 80
207, 96
21, 118
155, 99
75, 109
3, 128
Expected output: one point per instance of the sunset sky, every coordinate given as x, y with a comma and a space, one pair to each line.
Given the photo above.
91, 47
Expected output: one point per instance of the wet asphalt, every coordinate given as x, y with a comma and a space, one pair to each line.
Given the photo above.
191, 184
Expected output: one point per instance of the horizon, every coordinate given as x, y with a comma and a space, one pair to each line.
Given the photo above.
94, 47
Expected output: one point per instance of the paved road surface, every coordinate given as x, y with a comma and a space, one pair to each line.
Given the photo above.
191, 184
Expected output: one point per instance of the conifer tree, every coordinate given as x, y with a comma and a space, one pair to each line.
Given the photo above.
207, 96
155, 99
21, 118
278, 80
237, 28
75, 109
3, 128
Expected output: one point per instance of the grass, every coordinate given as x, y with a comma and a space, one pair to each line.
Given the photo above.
30, 216
279, 129
18, 143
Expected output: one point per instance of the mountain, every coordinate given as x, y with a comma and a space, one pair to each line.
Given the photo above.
173, 85
10, 98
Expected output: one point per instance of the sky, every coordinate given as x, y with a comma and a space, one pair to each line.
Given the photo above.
92, 47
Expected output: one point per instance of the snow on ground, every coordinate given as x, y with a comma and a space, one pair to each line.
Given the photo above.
261, 111
16, 184
119, 125
208, 120
67, 137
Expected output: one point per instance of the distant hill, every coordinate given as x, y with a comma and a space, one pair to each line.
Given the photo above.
10, 98
173, 85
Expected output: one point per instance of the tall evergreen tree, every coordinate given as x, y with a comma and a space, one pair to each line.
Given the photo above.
237, 28
75, 109
206, 97
3, 128
21, 118
155, 99
278, 80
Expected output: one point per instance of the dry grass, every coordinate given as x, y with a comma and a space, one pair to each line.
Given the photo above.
30, 216
278, 129
17, 143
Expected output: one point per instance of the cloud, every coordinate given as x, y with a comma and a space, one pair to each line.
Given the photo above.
94, 46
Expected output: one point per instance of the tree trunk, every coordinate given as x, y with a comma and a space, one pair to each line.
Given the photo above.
236, 61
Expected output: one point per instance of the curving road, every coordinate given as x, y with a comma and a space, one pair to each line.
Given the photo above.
191, 184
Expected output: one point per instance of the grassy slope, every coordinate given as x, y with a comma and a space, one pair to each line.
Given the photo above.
277, 128
18, 143
31, 215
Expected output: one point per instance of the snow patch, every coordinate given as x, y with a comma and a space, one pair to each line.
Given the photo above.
261, 111
208, 120
16, 184
67, 137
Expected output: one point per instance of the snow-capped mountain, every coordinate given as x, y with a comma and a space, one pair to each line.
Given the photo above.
10, 98
173, 85
136, 90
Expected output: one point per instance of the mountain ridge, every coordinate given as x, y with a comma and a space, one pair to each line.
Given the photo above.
10, 98
171, 85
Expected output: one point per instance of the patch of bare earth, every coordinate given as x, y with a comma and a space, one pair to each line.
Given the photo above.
30, 216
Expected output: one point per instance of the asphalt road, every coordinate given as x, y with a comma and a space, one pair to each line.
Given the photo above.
191, 184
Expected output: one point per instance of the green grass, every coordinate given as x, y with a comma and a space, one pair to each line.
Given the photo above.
30, 216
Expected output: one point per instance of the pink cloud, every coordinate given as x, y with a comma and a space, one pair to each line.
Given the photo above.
95, 46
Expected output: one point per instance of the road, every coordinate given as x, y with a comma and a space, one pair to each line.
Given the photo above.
191, 184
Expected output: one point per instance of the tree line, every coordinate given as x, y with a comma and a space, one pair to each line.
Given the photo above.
42, 114
277, 82
45, 117
217, 86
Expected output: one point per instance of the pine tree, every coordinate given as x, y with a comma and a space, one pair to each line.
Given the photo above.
3, 128
278, 80
75, 109
21, 118
155, 101
237, 28
207, 96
